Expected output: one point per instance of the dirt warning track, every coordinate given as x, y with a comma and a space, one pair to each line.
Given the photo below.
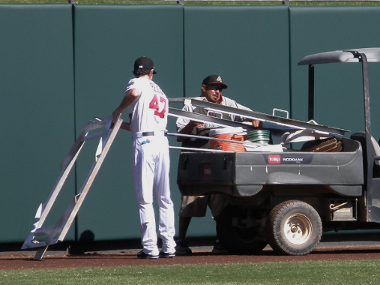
17, 261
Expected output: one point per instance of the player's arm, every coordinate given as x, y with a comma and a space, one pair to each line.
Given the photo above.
125, 126
130, 97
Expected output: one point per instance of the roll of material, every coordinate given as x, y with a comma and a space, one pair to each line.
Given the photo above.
259, 136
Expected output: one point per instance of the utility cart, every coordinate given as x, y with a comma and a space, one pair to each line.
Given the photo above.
287, 198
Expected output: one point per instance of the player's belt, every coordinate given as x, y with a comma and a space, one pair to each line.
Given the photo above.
150, 134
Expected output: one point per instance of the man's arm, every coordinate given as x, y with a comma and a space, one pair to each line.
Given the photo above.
130, 97
255, 123
186, 130
186, 126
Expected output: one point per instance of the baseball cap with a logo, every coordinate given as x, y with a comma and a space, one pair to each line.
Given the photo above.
144, 63
214, 80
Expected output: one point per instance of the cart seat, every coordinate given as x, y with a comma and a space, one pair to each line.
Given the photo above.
375, 146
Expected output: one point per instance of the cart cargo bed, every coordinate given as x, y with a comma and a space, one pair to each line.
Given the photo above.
245, 173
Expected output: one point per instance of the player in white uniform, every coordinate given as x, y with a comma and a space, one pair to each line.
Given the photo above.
148, 107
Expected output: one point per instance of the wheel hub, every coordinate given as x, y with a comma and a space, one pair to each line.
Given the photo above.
298, 228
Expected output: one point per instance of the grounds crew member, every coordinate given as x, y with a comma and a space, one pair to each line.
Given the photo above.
196, 206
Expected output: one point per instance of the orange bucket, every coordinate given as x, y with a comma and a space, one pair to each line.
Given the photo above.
226, 134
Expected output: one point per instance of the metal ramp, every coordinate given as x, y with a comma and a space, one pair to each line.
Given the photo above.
41, 237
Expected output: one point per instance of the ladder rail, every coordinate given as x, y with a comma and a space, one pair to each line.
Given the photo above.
44, 208
269, 118
274, 122
90, 179
58, 232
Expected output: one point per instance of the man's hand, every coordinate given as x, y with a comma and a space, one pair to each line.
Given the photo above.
198, 125
115, 114
256, 123
189, 128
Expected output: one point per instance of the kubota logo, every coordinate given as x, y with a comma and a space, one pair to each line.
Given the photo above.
274, 159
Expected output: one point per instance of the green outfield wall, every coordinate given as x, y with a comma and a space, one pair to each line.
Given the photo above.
63, 65
37, 110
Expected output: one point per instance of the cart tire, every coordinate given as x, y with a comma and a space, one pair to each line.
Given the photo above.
293, 228
239, 239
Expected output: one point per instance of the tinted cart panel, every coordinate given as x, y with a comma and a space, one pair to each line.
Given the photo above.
205, 172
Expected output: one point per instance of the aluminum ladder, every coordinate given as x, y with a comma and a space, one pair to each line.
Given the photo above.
42, 236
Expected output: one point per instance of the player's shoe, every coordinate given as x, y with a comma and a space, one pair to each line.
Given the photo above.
183, 248
218, 248
143, 255
166, 254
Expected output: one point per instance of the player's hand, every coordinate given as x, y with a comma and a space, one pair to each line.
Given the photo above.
115, 114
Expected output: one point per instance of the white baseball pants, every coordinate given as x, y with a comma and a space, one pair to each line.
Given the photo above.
151, 176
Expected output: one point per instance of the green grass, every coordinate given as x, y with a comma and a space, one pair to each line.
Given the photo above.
317, 272
93, 2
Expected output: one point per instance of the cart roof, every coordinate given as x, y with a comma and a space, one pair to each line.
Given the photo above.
373, 55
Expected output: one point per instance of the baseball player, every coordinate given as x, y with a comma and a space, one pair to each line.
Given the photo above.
196, 206
148, 107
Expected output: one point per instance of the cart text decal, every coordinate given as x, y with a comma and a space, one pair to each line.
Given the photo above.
288, 159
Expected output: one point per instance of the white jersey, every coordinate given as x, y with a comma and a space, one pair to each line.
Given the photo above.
149, 112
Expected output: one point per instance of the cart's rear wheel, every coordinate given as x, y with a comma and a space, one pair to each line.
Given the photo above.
240, 231
294, 228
